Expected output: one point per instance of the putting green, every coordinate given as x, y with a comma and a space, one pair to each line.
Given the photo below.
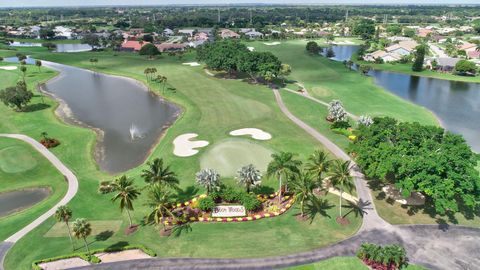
16, 159
228, 156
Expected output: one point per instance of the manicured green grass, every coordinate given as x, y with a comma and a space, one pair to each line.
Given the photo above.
407, 69
99, 228
26, 168
336, 263
327, 80
228, 156
212, 108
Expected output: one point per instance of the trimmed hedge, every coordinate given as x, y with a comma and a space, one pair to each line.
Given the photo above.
89, 257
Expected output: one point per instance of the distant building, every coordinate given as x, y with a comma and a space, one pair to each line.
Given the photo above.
63, 32
227, 33
168, 32
133, 45
446, 64
385, 56
473, 54
424, 32
402, 48
135, 31
254, 34
170, 47
188, 32
468, 47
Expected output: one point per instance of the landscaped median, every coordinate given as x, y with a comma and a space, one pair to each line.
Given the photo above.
92, 257
205, 216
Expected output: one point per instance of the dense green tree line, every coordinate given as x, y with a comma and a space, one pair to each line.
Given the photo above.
420, 158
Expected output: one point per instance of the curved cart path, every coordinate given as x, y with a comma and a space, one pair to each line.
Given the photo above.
72, 190
433, 246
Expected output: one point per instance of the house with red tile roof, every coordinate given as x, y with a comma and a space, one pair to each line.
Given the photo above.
133, 45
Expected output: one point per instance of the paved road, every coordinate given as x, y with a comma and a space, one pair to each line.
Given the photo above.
72, 190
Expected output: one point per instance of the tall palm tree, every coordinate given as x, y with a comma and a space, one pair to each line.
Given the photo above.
282, 166
302, 186
147, 72
249, 176
318, 164
340, 178
64, 214
38, 63
160, 200
23, 69
126, 193
209, 179
82, 229
157, 172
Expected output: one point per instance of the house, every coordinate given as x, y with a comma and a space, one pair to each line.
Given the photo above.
168, 32
195, 43
468, 47
133, 45
207, 31
135, 31
473, 54
170, 47
199, 36
254, 34
402, 48
62, 32
424, 32
227, 33
446, 64
398, 39
246, 30
385, 56
188, 32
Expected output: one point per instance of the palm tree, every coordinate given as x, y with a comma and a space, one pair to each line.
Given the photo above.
157, 172
126, 193
147, 72
38, 63
23, 69
318, 164
340, 178
82, 229
302, 186
209, 179
64, 214
93, 61
249, 176
160, 200
282, 166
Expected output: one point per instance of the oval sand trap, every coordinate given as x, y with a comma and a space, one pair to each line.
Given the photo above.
184, 147
8, 68
192, 64
255, 133
272, 43
228, 156
16, 159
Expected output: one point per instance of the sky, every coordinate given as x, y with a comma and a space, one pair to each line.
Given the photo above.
49, 3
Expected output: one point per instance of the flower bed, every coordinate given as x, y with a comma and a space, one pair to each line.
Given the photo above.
50, 142
203, 216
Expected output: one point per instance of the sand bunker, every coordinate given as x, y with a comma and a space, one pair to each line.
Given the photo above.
255, 133
251, 49
272, 43
183, 147
192, 64
126, 255
8, 68
64, 264
415, 198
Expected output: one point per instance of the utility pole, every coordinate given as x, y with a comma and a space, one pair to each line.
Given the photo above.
346, 16
218, 15
251, 18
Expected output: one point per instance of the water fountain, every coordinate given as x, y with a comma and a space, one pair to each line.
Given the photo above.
135, 132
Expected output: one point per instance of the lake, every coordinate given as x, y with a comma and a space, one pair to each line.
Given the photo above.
456, 104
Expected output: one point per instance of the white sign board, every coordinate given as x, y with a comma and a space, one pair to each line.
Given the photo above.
229, 211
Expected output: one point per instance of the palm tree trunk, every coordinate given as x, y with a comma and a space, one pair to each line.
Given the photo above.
70, 235
129, 217
86, 245
301, 208
280, 192
341, 193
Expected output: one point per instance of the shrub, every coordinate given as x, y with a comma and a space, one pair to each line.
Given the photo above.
342, 131
464, 67
229, 194
340, 125
250, 202
389, 257
206, 204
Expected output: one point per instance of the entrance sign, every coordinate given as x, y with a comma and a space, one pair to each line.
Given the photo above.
229, 211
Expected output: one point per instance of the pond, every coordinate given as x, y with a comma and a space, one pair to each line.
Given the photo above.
456, 104
67, 47
128, 118
14, 201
